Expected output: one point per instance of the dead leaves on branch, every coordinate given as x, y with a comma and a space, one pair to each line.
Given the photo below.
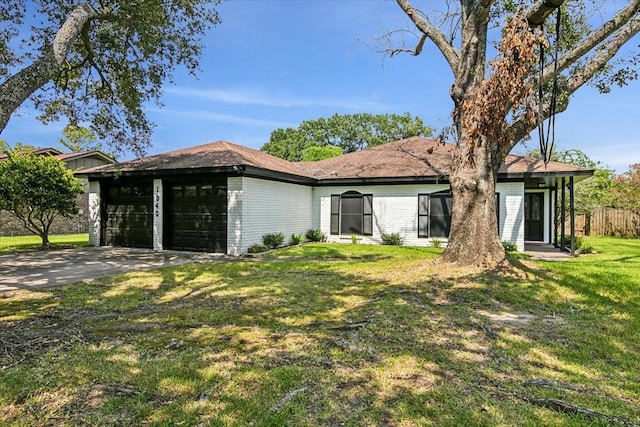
505, 94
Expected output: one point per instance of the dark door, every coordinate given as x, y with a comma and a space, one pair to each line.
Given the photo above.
128, 218
534, 216
196, 216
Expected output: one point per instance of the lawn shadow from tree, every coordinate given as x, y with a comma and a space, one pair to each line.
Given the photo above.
304, 342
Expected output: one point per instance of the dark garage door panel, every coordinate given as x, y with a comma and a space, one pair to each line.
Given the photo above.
129, 215
197, 216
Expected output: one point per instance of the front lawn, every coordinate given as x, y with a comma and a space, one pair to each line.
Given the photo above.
33, 242
330, 335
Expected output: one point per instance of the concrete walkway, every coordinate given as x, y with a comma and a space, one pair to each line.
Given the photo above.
42, 269
545, 252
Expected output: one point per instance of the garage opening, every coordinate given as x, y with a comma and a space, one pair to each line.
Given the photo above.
129, 215
196, 215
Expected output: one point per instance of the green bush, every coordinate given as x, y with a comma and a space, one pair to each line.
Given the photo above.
315, 235
394, 239
509, 247
273, 240
256, 248
436, 243
567, 241
586, 249
295, 239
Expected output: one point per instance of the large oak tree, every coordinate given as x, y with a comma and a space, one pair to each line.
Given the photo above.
98, 61
349, 132
493, 104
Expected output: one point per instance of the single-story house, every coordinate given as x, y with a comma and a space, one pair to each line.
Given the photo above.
223, 197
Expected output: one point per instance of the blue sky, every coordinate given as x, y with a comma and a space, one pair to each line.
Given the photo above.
274, 64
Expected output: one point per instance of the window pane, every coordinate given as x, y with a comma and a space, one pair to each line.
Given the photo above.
351, 206
441, 205
423, 204
367, 204
440, 226
351, 224
423, 226
440, 215
335, 204
367, 226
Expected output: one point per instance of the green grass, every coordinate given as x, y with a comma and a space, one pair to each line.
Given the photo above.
329, 335
30, 243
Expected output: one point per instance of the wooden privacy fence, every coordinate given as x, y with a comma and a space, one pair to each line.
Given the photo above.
608, 222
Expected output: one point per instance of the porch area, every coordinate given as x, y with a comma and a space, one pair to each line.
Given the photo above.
545, 252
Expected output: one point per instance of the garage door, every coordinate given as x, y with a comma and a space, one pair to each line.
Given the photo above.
197, 216
129, 215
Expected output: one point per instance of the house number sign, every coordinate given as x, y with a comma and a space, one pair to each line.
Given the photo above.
156, 204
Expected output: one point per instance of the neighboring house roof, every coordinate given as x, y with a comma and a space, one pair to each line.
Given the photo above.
84, 154
408, 160
65, 157
38, 151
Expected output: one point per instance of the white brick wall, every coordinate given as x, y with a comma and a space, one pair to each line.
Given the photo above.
94, 213
395, 210
234, 216
257, 207
511, 212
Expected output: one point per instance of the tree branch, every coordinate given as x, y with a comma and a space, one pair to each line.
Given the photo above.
432, 33
541, 10
595, 38
624, 25
603, 54
89, 58
17, 88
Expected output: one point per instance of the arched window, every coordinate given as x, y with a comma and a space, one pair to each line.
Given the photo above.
352, 213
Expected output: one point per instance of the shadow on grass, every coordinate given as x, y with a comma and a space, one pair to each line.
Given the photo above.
389, 342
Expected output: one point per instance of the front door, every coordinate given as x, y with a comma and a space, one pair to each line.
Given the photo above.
534, 216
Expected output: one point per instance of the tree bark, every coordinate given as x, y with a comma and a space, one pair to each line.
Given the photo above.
474, 238
18, 87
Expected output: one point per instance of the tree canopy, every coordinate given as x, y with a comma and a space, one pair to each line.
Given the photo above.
349, 132
36, 189
98, 62
627, 188
494, 102
79, 138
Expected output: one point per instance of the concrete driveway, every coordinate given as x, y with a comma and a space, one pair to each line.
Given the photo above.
42, 269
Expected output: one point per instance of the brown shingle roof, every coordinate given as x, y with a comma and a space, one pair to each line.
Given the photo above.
212, 155
408, 158
416, 157
412, 157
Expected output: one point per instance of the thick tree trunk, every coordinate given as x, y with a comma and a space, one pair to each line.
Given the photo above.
474, 238
17, 88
